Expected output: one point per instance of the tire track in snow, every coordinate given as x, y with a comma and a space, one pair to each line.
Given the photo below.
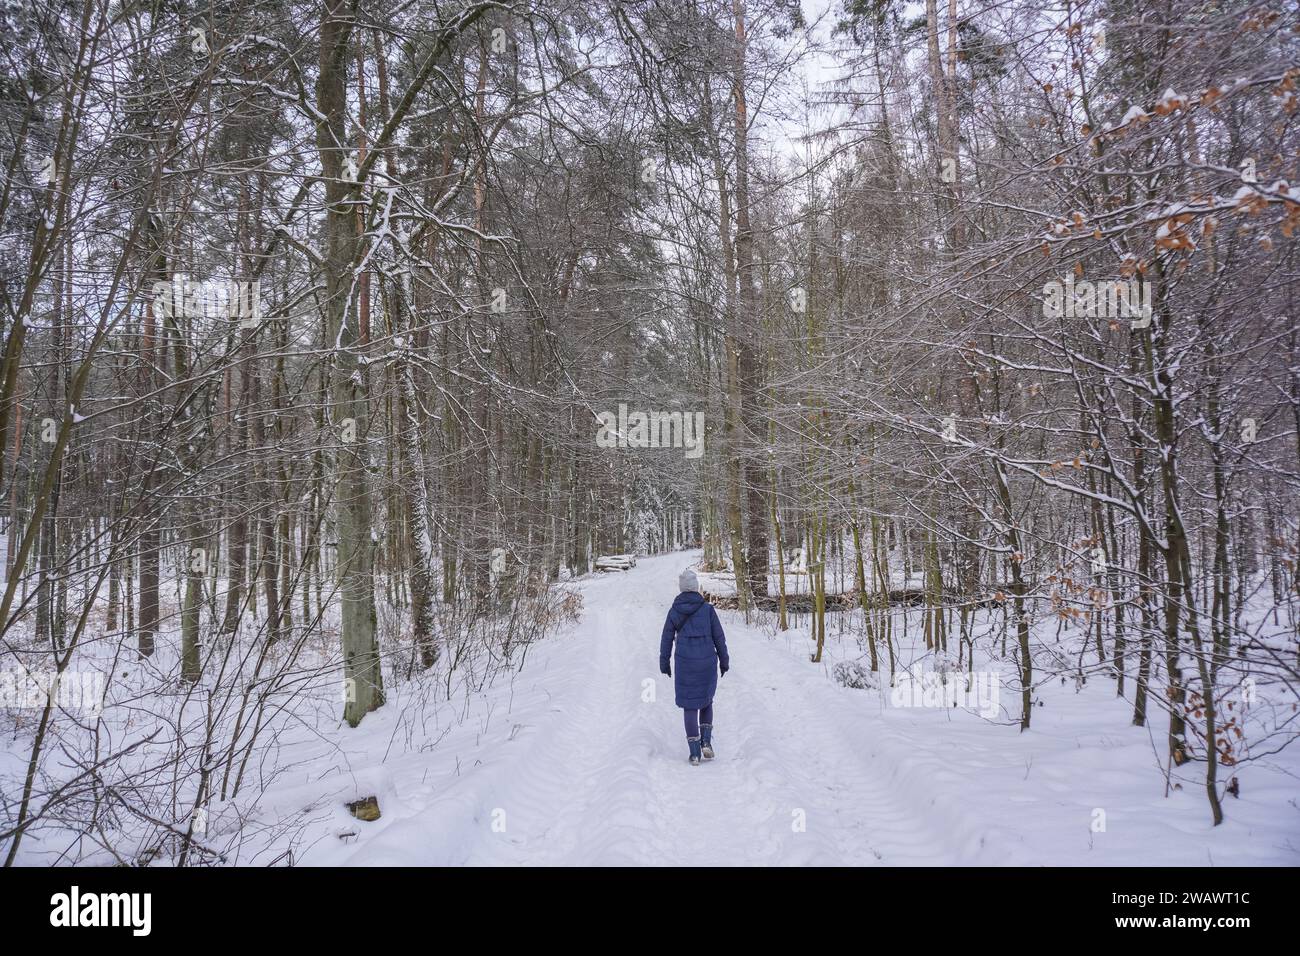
845, 790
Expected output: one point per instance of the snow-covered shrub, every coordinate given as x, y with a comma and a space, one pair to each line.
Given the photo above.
853, 674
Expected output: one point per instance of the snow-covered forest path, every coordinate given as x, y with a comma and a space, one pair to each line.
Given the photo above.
601, 777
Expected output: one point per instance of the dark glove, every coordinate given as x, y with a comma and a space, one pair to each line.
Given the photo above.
666, 669
725, 668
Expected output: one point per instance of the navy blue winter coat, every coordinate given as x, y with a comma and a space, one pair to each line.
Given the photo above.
701, 646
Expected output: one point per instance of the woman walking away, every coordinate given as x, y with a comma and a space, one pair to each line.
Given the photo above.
701, 648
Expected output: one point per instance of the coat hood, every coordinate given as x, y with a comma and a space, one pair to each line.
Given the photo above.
687, 603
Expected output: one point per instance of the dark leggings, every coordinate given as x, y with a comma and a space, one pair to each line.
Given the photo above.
696, 717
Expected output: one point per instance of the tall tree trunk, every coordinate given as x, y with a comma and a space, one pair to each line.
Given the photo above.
364, 687
748, 344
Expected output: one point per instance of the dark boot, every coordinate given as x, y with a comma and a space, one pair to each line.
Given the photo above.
694, 744
706, 741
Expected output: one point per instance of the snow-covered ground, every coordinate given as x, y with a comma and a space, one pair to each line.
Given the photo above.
581, 759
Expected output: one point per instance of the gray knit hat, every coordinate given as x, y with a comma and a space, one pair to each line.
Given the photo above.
687, 581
